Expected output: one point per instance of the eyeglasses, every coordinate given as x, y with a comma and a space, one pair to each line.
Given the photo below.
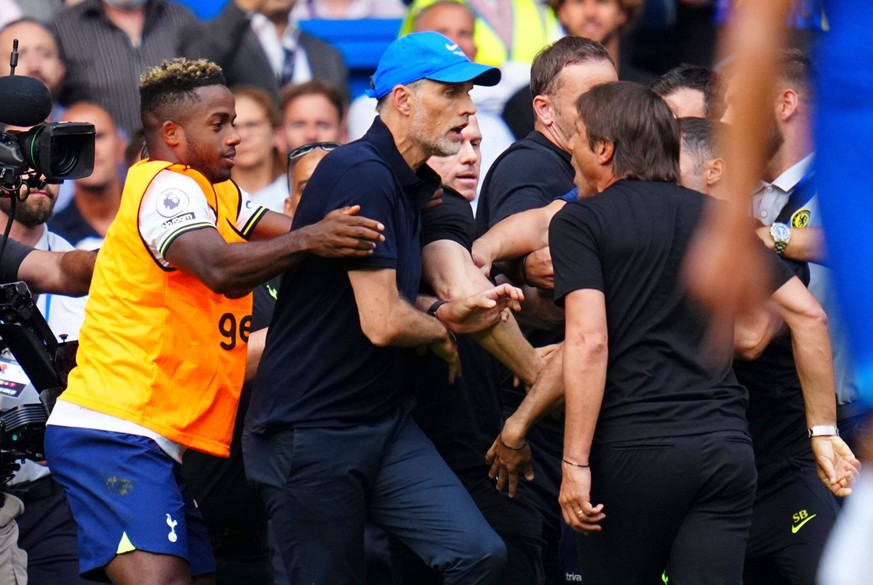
307, 148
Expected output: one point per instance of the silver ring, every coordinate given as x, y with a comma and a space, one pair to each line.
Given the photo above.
580, 512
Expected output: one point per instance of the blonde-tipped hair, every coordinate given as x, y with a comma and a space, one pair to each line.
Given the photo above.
162, 89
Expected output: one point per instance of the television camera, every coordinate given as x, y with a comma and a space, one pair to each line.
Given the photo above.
31, 382
54, 150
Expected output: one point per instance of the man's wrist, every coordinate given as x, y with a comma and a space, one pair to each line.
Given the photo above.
513, 432
304, 240
823, 431
523, 271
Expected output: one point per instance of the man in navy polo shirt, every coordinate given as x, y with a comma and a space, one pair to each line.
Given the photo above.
329, 441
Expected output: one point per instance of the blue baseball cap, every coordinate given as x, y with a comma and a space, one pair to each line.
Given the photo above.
427, 55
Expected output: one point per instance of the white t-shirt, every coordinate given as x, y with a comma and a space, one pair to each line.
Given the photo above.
173, 205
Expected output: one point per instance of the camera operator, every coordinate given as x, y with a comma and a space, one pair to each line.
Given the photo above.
62, 273
26, 195
47, 532
57, 272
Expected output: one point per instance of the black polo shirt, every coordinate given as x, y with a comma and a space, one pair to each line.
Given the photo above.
629, 242
318, 367
527, 175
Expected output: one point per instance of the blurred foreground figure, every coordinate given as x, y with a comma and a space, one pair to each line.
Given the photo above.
723, 271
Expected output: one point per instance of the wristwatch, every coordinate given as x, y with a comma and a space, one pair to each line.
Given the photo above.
781, 234
823, 431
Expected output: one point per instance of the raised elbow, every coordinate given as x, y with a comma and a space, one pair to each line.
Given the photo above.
818, 316
222, 282
380, 339
748, 349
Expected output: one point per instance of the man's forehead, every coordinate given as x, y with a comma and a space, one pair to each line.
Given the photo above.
583, 75
29, 34
448, 15
472, 130
215, 99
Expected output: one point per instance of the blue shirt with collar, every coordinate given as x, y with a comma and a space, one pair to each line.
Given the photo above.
318, 367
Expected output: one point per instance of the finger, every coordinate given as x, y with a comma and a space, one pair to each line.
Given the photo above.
360, 227
513, 484
350, 253
501, 478
366, 233
491, 454
363, 243
454, 369
572, 517
528, 471
827, 468
494, 471
345, 245
370, 224
350, 210
484, 302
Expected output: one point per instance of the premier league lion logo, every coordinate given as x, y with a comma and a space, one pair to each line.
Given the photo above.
172, 202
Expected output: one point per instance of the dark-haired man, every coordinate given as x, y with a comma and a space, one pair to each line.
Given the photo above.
691, 91
603, 21
676, 484
536, 169
329, 441
163, 347
527, 175
311, 112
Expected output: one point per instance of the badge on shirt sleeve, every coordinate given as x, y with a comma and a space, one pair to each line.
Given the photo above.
172, 202
800, 218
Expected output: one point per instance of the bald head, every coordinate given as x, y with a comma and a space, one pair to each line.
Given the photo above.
38, 54
451, 19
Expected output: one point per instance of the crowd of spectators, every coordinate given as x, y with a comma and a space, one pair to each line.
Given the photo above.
594, 312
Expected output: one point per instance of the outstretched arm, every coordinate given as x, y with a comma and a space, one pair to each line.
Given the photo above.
234, 269
64, 273
515, 236
450, 272
510, 455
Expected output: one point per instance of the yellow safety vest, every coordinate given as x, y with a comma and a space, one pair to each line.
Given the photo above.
157, 347
534, 26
